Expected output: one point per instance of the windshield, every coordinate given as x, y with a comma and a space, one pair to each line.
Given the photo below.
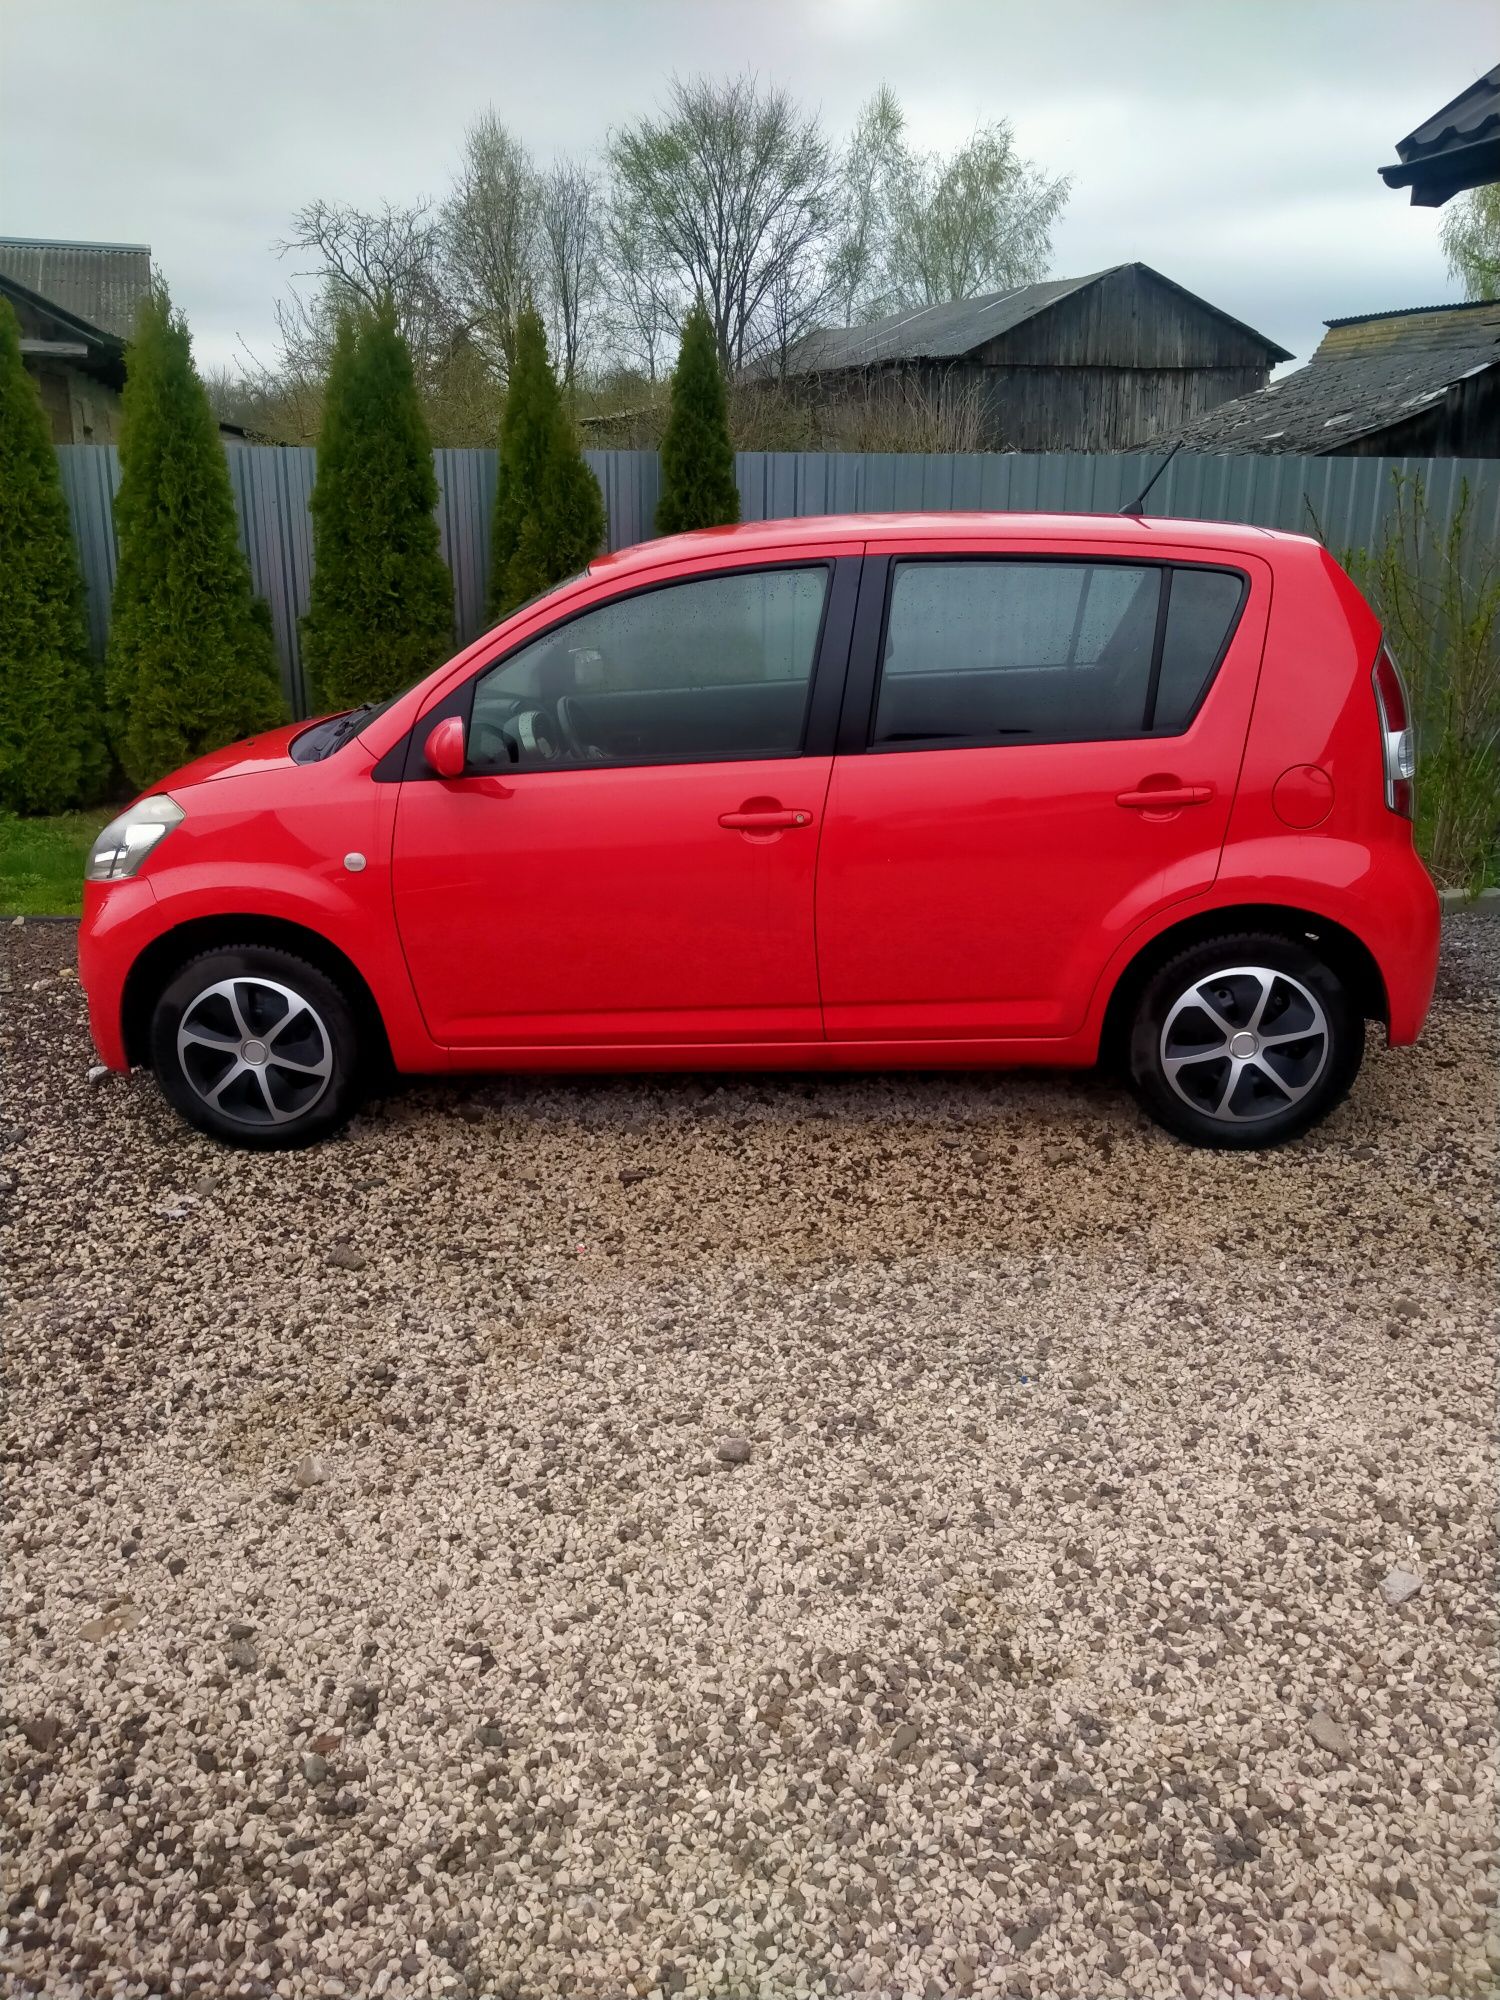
321, 739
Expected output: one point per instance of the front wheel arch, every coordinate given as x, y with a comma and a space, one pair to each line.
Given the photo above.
166, 955
1346, 954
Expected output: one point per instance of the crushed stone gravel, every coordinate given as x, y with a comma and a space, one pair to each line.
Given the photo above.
870, 1536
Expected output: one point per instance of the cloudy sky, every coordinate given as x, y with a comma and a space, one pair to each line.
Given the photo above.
1233, 146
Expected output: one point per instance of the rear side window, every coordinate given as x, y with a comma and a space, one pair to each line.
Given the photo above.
1046, 652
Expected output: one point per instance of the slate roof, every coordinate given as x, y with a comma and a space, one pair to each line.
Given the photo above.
1458, 147
101, 283
945, 332
1369, 372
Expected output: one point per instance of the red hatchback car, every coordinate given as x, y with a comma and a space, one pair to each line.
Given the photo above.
927, 790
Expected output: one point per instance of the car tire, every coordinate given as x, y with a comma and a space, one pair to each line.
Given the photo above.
1244, 1041
257, 1047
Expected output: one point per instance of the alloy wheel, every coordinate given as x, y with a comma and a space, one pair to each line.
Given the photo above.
1245, 1043
254, 1050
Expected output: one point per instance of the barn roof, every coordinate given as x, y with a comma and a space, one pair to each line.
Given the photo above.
1369, 372
947, 332
1458, 147
100, 283
78, 340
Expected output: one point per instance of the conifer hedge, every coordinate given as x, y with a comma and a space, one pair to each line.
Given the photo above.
549, 512
698, 489
380, 612
190, 663
52, 752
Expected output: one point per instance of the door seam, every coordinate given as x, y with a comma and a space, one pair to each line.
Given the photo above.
859, 583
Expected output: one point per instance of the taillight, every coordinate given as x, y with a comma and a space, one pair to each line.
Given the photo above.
1398, 742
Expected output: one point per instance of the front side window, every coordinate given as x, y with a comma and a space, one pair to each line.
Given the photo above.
717, 668
1045, 652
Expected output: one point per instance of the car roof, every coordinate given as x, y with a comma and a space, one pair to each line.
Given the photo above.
805, 530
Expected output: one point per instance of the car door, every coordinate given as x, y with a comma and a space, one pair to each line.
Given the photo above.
1040, 746
628, 857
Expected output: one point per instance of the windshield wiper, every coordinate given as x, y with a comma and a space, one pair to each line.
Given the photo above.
348, 724
344, 726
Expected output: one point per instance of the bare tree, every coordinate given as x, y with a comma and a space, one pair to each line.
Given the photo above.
922, 228
490, 236
870, 163
227, 391
636, 313
726, 197
364, 258
797, 297
571, 228
277, 402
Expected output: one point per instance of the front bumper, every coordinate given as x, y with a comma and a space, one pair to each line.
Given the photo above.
119, 920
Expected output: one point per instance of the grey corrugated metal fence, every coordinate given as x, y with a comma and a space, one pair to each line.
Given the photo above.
1343, 498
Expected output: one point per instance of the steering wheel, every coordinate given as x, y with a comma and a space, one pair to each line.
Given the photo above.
530, 736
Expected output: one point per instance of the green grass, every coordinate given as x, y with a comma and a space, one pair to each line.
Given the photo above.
41, 862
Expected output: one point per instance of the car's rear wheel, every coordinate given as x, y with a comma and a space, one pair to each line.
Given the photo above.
1244, 1041
256, 1047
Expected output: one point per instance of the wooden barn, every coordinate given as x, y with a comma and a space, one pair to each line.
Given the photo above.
1072, 364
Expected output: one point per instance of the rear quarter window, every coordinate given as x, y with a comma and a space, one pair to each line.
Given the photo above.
1201, 615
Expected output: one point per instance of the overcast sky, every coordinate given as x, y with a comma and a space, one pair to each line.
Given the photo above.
1233, 146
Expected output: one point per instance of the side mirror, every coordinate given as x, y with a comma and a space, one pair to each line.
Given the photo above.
444, 749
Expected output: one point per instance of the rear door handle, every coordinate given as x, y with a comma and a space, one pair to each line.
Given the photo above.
1156, 798
764, 822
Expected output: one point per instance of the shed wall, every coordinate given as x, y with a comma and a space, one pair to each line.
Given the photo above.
1102, 409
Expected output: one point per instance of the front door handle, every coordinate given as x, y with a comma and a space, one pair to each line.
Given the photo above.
768, 821
1164, 798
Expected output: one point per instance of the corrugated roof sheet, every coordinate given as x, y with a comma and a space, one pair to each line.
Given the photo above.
1352, 387
1473, 114
944, 332
1458, 147
102, 283
1413, 312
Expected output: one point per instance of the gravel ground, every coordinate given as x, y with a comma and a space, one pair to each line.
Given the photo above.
917, 1536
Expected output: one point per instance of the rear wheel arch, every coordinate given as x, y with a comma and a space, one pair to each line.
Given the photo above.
164, 956
1347, 954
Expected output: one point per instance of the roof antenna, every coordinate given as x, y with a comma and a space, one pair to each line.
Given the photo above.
1138, 504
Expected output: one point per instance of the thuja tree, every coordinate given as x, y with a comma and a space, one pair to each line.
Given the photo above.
697, 458
549, 512
52, 751
381, 608
190, 662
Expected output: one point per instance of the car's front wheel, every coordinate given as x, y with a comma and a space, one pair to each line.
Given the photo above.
1244, 1041
257, 1047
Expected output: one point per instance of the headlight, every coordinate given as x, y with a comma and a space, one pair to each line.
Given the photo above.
126, 841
